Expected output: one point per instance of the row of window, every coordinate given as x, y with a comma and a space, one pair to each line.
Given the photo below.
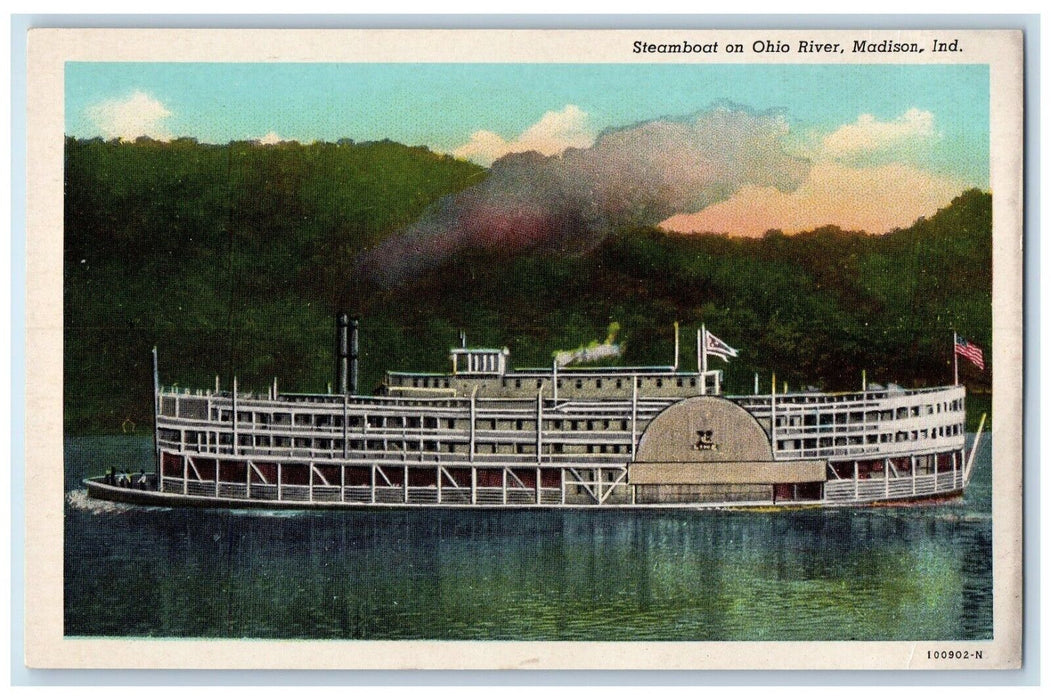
329, 420
898, 413
205, 440
871, 439
855, 417
311, 420
596, 382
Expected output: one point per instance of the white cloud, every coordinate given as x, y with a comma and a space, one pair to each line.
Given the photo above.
270, 139
552, 134
131, 117
875, 199
869, 135
869, 175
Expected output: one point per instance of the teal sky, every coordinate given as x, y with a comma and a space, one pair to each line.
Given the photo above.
441, 105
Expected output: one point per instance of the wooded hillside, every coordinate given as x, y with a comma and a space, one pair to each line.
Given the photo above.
236, 258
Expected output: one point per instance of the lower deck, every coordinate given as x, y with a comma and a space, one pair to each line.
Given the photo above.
244, 482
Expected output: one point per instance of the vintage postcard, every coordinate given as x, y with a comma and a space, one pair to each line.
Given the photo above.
467, 349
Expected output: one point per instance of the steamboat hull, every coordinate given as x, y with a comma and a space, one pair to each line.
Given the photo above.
647, 448
98, 489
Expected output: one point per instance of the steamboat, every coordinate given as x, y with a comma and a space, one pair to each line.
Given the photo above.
485, 435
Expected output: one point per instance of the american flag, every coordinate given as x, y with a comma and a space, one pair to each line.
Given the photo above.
714, 346
971, 351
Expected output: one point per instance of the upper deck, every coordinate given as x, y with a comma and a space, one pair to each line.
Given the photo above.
544, 427
486, 372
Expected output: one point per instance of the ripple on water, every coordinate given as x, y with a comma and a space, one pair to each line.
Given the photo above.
78, 499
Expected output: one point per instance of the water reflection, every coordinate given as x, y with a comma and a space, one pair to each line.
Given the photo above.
895, 573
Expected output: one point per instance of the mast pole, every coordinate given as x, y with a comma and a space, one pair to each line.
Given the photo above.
156, 416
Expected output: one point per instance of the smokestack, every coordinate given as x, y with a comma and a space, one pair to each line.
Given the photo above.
342, 352
353, 356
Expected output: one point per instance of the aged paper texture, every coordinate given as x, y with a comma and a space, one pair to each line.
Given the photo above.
834, 217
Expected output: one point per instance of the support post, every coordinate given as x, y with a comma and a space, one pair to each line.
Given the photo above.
503, 485
474, 392
886, 477
539, 426
855, 479
912, 467
474, 485
310, 482
233, 411
538, 492
405, 483
953, 469
156, 418
186, 474
634, 411
354, 356
773, 415
279, 480
372, 483
345, 428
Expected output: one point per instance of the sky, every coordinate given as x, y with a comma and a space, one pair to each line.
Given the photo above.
884, 144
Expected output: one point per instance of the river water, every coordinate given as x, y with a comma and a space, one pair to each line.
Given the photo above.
922, 572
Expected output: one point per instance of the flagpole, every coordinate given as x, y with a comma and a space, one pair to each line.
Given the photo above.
699, 352
704, 349
955, 361
676, 345
773, 409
